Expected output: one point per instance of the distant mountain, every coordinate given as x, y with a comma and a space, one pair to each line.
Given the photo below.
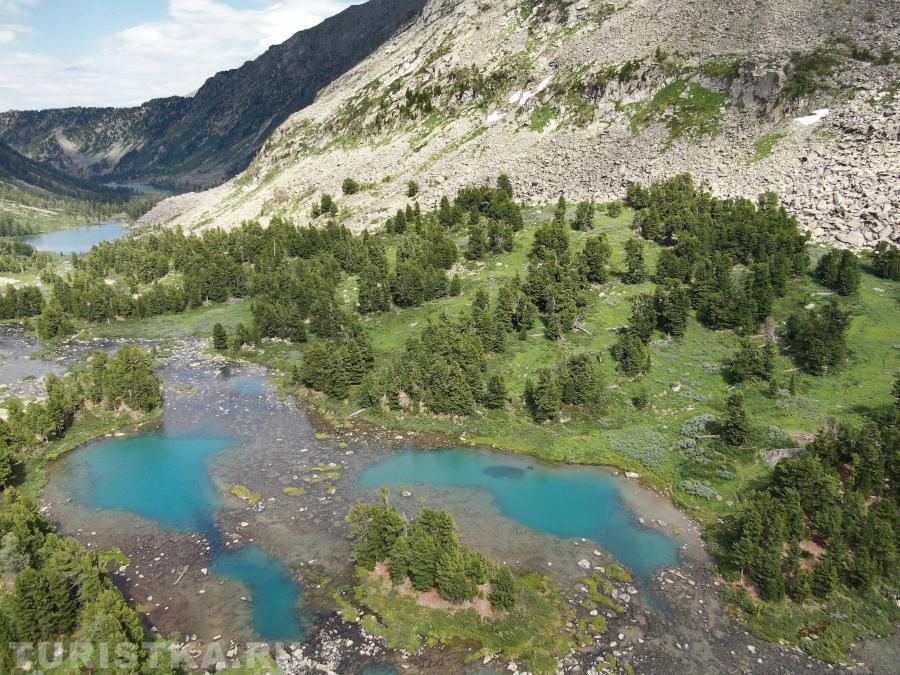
26, 174
200, 141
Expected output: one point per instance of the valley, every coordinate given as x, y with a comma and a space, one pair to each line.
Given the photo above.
459, 337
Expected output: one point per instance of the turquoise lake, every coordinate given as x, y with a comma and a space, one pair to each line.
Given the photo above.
558, 500
165, 478
77, 239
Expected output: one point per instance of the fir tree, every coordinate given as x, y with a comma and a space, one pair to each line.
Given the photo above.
635, 270
220, 337
736, 425
496, 396
544, 396
631, 354
593, 262
503, 589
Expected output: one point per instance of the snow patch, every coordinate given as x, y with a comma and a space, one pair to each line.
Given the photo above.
495, 117
516, 95
544, 84
816, 117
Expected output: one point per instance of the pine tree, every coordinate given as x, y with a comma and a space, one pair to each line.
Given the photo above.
455, 286
635, 272
505, 185
450, 578
643, 316
581, 380
631, 354
220, 337
477, 245
584, 217
496, 395
736, 425
544, 396
399, 559
673, 306
559, 213
594, 259
503, 589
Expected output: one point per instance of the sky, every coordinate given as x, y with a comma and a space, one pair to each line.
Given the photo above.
62, 53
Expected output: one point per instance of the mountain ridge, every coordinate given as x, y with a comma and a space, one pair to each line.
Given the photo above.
199, 141
24, 173
584, 96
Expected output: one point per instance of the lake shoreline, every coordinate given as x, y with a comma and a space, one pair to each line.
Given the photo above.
647, 635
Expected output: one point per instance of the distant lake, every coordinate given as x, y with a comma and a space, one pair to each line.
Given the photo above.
78, 239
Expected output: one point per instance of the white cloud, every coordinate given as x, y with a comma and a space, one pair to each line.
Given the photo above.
174, 55
9, 32
15, 6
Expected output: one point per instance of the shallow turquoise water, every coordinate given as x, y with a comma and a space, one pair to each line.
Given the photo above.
561, 501
77, 239
157, 476
248, 385
165, 478
272, 588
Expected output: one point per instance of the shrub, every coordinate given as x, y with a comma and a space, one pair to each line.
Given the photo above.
350, 186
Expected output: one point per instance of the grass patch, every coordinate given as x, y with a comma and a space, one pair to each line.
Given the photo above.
246, 494
688, 109
532, 633
294, 491
825, 631
197, 322
765, 145
542, 116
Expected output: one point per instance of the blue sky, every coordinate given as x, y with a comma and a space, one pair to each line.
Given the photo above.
59, 53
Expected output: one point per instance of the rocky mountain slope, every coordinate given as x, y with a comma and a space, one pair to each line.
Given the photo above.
582, 96
20, 172
202, 140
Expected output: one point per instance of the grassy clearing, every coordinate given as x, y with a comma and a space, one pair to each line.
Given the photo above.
542, 116
688, 109
765, 145
533, 633
825, 631
192, 323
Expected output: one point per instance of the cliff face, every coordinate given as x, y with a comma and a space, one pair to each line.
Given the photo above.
583, 96
205, 139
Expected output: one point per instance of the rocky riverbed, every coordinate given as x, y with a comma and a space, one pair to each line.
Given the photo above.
305, 480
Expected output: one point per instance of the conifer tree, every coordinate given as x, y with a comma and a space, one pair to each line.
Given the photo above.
631, 354
584, 217
581, 380
736, 425
503, 589
220, 337
635, 270
496, 396
642, 320
477, 245
673, 306
544, 395
594, 259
